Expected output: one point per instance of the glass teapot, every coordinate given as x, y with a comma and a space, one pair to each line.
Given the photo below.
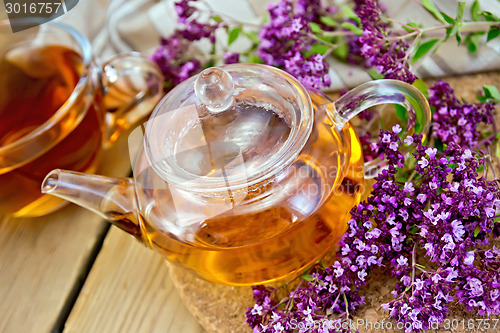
242, 175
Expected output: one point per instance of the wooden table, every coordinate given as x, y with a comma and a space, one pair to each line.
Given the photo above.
70, 272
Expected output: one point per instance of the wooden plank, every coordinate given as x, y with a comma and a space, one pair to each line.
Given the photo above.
42, 259
129, 290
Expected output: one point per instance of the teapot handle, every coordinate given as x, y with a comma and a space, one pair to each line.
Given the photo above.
132, 85
385, 92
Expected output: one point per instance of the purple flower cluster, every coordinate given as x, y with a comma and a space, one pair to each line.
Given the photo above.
173, 57
231, 58
377, 48
286, 40
447, 213
444, 214
457, 122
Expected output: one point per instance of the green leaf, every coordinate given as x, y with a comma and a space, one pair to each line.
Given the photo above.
423, 49
452, 31
315, 28
455, 22
491, 92
460, 12
308, 277
472, 41
412, 27
328, 39
497, 153
341, 51
329, 21
233, 35
375, 74
448, 19
411, 162
351, 27
253, 36
475, 11
493, 33
401, 112
318, 48
439, 145
459, 21
431, 7
265, 19
458, 36
486, 134
449, 31
422, 86
255, 59
489, 16
217, 18
350, 14
477, 231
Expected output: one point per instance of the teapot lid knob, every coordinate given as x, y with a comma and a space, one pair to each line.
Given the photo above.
214, 89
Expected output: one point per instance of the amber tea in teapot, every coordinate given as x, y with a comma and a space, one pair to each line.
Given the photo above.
247, 242
241, 175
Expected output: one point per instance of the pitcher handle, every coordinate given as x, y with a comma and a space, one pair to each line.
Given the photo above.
122, 76
385, 92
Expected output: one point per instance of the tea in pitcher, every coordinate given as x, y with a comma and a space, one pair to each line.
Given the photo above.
35, 83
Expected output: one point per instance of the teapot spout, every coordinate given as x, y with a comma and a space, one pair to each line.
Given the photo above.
112, 198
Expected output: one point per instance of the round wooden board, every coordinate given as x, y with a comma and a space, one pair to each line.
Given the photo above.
221, 309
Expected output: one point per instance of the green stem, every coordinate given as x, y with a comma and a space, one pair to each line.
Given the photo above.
338, 33
490, 162
412, 175
421, 269
346, 305
322, 41
413, 265
400, 23
464, 28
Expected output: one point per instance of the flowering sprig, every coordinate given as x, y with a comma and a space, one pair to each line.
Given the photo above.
444, 217
300, 35
430, 219
287, 41
378, 47
173, 56
457, 122
452, 217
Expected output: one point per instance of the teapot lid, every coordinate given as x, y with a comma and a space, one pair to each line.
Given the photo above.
228, 128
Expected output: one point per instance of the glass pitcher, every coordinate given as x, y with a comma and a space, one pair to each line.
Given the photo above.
242, 175
59, 108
